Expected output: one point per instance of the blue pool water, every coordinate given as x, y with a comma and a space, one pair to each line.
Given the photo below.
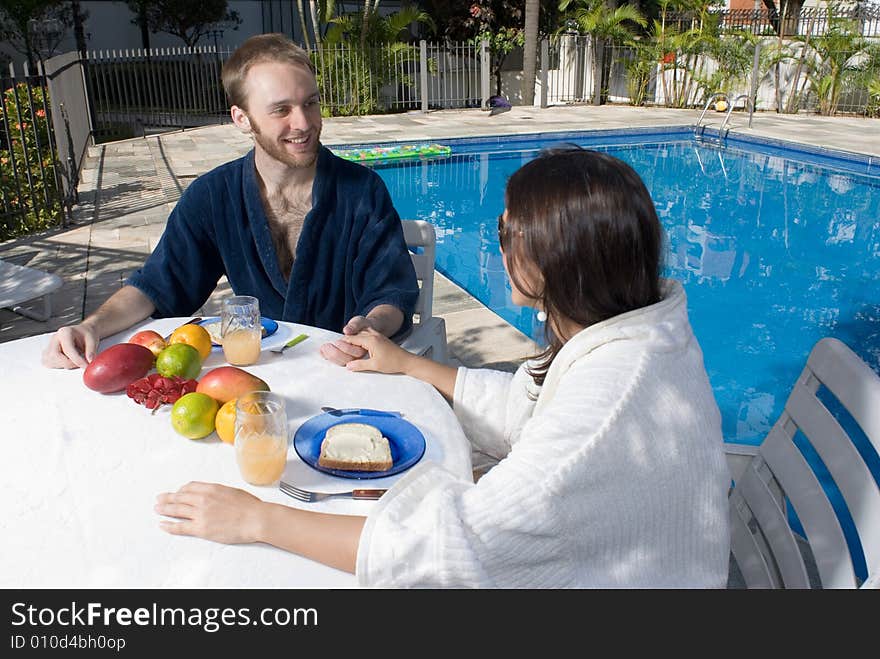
776, 248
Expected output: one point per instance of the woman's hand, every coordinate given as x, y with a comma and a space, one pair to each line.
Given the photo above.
211, 511
224, 514
383, 355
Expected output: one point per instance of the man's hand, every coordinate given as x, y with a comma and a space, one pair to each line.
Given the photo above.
384, 318
75, 346
71, 347
339, 352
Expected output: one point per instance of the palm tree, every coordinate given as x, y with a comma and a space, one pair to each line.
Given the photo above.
838, 57
322, 13
360, 72
530, 51
369, 8
603, 24
300, 10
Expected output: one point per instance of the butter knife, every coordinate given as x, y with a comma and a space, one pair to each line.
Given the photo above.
361, 411
290, 344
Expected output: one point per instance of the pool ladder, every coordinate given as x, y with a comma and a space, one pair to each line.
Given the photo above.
722, 133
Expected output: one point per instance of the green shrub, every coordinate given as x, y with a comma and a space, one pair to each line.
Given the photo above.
29, 196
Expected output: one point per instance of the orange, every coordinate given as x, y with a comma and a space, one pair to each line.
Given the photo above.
196, 336
179, 359
224, 422
193, 415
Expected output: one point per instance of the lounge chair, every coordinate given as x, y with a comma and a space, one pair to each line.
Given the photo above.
775, 477
20, 284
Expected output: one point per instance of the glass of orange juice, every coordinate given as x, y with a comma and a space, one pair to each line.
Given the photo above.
240, 330
261, 437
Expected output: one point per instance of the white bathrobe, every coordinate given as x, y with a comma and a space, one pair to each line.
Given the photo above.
614, 478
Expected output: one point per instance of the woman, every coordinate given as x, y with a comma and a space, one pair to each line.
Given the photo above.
611, 469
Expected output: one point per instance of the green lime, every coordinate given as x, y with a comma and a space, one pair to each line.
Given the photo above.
179, 359
193, 415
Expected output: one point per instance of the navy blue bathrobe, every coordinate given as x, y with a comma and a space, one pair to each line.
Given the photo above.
351, 255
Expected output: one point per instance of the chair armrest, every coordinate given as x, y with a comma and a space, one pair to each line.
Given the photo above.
738, 457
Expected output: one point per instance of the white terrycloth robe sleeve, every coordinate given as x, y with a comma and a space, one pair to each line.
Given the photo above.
492, 407
430, 529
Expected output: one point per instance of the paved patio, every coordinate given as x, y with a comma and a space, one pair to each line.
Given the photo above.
128, 189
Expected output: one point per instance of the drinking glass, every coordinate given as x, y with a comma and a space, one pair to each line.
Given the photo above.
261, 437
240, 330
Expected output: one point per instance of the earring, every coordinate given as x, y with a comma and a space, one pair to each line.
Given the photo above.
542, 317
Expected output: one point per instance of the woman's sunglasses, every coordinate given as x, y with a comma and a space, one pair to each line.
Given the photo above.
503, 230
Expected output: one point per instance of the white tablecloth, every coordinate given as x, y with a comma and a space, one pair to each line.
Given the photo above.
80, 471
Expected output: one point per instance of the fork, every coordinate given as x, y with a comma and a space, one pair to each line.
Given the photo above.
311, 497
290, 344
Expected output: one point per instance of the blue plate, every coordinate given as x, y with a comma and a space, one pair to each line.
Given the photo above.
268, 324
405, 440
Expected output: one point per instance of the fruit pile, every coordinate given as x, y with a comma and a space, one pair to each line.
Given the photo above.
199, 406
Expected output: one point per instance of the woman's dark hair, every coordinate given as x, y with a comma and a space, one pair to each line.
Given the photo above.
587, 222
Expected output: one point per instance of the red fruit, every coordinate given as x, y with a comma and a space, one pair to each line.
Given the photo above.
117, 367
151, 340
155, 390
227, 382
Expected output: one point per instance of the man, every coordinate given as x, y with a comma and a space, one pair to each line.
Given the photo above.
314, 237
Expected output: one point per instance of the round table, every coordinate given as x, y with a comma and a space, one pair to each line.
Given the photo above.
81, 470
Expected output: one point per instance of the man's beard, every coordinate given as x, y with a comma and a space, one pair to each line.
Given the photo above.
277, 152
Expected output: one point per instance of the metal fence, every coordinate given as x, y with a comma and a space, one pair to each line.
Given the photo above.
809, 20
137, 91
808, 74
453, 75
369, 80
132, 91
569, 70
31, 192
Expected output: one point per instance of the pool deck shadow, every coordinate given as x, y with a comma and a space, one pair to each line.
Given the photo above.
128, 188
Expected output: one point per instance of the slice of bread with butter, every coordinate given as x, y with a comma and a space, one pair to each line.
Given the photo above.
355, 447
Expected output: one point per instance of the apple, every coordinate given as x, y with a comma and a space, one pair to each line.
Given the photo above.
227, 382
149, 339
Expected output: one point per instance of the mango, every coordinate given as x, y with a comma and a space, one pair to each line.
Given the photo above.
117, 367
227, 382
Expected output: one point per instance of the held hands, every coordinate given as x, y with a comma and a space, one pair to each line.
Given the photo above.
211, 511
340, 352
382, 354
71, 347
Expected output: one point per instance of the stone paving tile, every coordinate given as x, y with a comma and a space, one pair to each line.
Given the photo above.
478, 337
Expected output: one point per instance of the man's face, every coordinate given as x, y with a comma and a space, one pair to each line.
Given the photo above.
284, 112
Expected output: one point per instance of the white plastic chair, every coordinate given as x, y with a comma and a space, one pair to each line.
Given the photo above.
428, 336
767, 552
20, 283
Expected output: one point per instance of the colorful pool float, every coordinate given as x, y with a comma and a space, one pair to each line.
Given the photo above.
396, 152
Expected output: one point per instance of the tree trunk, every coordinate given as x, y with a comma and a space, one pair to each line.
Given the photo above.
530, 51
142, 23
78, 29
366, 23
598, 66
302, 24
313, 11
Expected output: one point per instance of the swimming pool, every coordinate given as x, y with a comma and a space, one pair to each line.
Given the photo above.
776, 247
